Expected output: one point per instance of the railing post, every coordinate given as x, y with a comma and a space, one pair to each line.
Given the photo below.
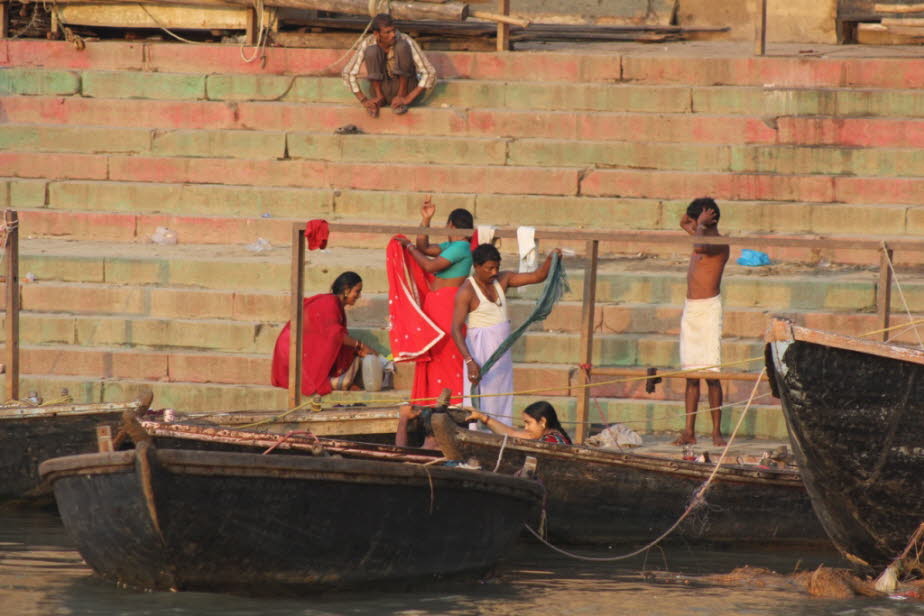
588, 311
11, 222
884, 290
5, 19
296, 315
503, 30
760, 28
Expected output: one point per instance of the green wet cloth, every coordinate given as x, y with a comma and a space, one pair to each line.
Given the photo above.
556, 284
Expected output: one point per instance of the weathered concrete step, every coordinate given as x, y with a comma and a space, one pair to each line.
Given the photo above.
644, 416
215, 214
496, 179
415, 149
766, 101
129, 279
684, 64
567, 125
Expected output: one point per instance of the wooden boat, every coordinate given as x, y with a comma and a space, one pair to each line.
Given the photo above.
855, 411
203, 520
30, 435
597, 496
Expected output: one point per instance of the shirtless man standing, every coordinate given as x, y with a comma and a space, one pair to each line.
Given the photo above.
701, 323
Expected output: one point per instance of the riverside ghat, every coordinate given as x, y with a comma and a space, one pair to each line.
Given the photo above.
811, 155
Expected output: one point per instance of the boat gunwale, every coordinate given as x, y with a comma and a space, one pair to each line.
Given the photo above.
784, 330
305, 468
729, 473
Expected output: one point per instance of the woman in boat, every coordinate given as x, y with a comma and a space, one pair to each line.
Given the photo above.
440, 271
330, 356
540, 423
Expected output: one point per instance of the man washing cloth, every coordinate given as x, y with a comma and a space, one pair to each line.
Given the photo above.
481, 305
397, 70
701, 323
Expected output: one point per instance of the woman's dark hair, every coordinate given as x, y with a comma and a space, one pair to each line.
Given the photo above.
345, 282
697, 206
538, 410
485, 253
461, 218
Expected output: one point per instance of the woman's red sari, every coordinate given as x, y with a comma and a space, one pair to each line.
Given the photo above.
323, 353
420, 324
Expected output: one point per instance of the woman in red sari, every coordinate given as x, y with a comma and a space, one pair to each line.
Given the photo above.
330, 356
446, 266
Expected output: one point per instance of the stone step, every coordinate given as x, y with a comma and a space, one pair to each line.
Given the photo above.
129, 279
766, 101
764, 419
494, 179
244, 322
715, 64
416, 149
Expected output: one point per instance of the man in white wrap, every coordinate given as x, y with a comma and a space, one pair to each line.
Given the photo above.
701, 323
481, 306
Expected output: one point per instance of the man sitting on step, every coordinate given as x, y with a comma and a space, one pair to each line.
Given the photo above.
396, 68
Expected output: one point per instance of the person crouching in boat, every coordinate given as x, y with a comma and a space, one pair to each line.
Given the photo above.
330, 356
540, 423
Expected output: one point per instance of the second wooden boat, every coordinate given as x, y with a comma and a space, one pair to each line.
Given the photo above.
203, 520
855, 411
598, 496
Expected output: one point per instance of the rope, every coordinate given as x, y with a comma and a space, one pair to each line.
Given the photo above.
262, 34
900, 292
500, 454
698, 500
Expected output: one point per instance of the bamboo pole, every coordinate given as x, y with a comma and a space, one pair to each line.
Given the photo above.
4, 19
296, 315
760, 28
884, 289
588, 311
500, 18
11, 221
503, 29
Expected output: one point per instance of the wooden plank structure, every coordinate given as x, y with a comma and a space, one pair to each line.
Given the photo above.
592, 239
11, 254
850, 13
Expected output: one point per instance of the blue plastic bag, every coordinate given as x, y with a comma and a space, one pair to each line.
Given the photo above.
753, 258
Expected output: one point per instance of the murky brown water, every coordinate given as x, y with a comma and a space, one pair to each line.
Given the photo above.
41, 574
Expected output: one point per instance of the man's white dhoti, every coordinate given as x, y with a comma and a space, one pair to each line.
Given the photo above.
481, 343
701, 334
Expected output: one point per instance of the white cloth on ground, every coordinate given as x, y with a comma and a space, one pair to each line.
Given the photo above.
527, 249
481, 343
701, 334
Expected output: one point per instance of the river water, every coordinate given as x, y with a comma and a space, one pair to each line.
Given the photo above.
42, 574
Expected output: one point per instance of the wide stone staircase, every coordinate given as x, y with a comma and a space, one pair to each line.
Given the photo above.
99, 148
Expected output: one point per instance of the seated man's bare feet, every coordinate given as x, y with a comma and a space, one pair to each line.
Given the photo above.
718, 441
685, 439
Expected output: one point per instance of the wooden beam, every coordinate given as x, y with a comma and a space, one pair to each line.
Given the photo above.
503, 29
783, 330
760, 28
588, 312
4, 19
911, 22
884, 289
697, 374
296, 314
898, 8
654, 237
11, 249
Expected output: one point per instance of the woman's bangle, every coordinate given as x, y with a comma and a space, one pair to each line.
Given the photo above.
470, 361
358, 345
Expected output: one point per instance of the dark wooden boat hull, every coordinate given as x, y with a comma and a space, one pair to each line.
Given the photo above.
192, 520
29, 436
855, 411
604, 497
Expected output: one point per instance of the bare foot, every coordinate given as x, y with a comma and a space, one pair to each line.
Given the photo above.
718, 441
685, 439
